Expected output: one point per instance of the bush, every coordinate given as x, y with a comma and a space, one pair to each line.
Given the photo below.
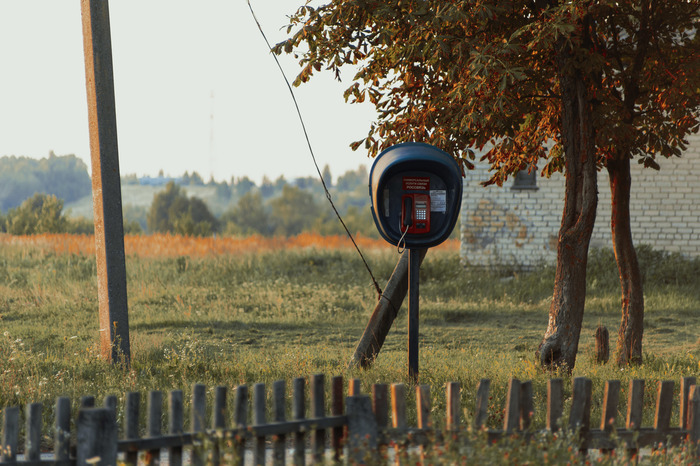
657, 268
80, 226
173, 212
248, 217
40, 213
294, 211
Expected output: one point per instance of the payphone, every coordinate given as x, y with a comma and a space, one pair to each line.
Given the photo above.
415, 213
416, 194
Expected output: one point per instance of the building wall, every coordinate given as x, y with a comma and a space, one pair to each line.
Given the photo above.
506, 226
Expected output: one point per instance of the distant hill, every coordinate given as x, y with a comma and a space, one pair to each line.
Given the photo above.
65, 176
141, 196
349, 189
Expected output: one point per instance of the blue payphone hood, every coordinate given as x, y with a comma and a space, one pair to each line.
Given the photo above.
415, 159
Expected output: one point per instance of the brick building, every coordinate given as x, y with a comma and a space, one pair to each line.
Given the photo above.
518, 224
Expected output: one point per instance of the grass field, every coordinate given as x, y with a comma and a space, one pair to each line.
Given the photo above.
227, 312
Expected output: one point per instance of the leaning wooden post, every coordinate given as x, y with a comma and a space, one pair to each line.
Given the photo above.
106, 188
384, 314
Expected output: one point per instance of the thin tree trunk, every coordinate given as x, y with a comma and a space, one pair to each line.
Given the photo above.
560, 342
629, 338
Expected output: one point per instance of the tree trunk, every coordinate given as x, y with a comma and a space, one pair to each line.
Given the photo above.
560, 342
629, 338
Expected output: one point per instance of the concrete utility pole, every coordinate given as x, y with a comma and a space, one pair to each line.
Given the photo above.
106, 187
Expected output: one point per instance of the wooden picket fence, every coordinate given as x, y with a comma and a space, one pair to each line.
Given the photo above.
357, 425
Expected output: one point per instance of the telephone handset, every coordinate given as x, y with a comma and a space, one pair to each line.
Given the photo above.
415, 213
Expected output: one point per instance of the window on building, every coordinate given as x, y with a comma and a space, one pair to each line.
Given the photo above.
525, 180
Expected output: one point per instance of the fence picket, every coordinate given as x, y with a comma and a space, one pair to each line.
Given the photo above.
452, 394
62, 435
482, 403
97, 437
366, 420
580, 405
425, 422
380, 404
87, 401
635, 405
362, 430
398, 405
111, 402
240, 420
218, 422
279, 409
258, 420
175, 425
32, 440
131, 422
694, 414
354, 387
512, 414
423, 406
611, 397
380, 408
527, 405
155, 413
580, 416
664, 401
218, 418
337, 409
555, 403
10, 433
318, 410
197, 419
686, 383
298, 414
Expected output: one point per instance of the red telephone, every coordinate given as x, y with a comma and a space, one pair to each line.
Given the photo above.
415, 213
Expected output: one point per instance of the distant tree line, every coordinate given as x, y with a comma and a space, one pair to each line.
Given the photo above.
241, 206
66, 177
273, 208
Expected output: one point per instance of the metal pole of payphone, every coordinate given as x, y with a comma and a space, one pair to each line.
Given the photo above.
413, 295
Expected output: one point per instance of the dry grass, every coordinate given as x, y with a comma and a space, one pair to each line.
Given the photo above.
165, 245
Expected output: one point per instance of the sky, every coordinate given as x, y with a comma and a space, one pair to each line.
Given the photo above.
196, 89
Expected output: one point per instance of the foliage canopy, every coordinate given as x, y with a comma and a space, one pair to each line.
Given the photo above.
479, 74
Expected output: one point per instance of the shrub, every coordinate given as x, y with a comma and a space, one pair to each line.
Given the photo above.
173, 212
40, 213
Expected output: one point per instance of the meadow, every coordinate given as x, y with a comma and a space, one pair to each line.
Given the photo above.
226, 311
